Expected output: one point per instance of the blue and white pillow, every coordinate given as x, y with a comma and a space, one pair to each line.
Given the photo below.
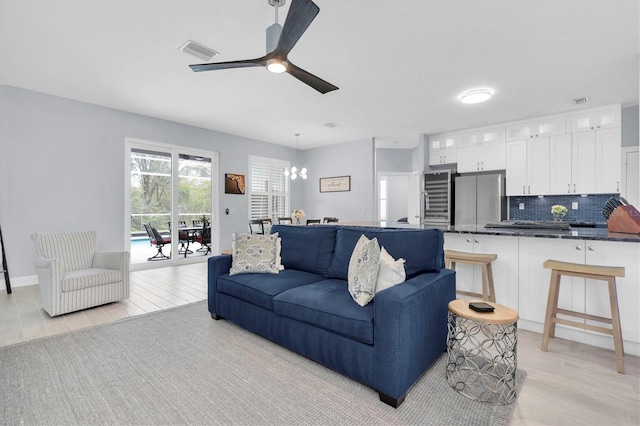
254, 254
363, 270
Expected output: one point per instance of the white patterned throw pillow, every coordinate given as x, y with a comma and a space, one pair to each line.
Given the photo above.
391, 271
363, 270
254, 254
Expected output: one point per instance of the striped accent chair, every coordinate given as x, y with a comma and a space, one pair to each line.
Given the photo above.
74, 275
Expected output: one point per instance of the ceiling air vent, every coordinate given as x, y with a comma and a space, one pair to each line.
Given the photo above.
331, 125
580, 101
198, 50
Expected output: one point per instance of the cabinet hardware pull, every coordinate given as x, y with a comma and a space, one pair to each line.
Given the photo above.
618, 186
482, 165
468, 240
574, 187
523, 191
476, 241
578, 248
568, 188
591, 248
529, 189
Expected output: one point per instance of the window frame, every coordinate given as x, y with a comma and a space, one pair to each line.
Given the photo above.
273, 168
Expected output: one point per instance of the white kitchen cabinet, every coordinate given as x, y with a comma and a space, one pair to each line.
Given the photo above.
608, 253
534, 279
482, 158
527, 167
588, 120
442, 149
541, 127
596, 161
560, 165
505, 267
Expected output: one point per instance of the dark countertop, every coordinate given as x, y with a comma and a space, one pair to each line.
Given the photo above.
600, 234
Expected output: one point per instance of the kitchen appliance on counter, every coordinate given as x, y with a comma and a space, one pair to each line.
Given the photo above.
480, 199
437, 202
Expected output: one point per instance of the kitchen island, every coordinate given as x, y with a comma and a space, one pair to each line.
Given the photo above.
522, 283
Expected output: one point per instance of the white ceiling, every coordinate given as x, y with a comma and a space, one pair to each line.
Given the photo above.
400, 65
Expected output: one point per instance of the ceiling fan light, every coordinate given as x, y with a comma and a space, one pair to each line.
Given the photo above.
476, 96
276, 66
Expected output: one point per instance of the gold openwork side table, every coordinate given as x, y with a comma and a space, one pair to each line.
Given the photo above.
481, 352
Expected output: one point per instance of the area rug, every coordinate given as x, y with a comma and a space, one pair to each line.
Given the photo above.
181, 367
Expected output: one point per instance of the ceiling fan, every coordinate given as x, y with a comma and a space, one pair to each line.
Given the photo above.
280, 41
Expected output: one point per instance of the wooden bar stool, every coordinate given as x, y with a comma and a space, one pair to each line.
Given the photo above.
452, 257
602, 273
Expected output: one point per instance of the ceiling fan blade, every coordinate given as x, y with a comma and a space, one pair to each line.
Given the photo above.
316, 82
258, 62
301, 14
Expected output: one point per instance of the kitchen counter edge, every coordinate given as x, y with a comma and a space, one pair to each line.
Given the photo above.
599, 234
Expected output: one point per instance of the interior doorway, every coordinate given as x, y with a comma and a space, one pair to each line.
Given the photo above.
394, 197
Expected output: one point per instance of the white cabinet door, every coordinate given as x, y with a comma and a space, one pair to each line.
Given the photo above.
516, 168
505, 267
469, 159
534, 279
493, 156
538, 166
608, 161
592, 120
560, 164
583, 163
607, 253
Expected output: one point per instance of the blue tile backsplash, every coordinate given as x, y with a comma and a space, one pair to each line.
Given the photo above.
535, 208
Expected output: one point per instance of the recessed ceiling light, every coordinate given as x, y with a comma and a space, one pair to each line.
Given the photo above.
475, 96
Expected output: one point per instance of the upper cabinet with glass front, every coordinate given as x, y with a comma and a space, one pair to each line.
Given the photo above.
588, 120
442, 149
539, 127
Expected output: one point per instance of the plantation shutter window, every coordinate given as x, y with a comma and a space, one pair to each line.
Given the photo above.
268, 188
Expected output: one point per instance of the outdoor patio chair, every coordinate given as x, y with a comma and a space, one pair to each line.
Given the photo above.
158, 240
204, 238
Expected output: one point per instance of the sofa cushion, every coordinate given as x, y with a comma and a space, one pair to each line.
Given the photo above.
254, 254
363, 270
84, 278
307, 248
327, 304
259, 289
421, 248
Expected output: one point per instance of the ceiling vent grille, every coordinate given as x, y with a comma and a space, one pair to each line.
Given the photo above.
580, 101
331, 125
198, 50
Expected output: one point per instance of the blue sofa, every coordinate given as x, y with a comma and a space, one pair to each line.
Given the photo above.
386, 345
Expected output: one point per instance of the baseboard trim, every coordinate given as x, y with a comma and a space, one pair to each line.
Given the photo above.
25, 281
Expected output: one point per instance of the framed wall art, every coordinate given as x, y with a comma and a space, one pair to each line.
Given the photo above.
233, 183
335, 184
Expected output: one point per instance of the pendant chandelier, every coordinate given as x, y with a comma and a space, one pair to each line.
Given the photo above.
294, 170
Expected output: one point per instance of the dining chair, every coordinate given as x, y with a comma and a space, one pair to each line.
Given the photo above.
330, 220
259, 226
285, 220
312, 221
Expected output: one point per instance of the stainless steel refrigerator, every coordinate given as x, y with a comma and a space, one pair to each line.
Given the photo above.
480, 199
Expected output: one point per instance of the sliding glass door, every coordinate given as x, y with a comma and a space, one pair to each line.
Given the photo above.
170, 208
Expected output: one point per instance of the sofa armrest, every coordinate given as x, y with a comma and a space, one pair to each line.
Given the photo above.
410, 329
217, 265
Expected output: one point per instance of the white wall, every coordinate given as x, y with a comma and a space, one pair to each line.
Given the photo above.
62, 168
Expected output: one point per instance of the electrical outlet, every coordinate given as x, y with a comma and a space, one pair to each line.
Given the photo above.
521, 206
574, 205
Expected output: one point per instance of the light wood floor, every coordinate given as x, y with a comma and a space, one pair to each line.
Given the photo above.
571, 384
